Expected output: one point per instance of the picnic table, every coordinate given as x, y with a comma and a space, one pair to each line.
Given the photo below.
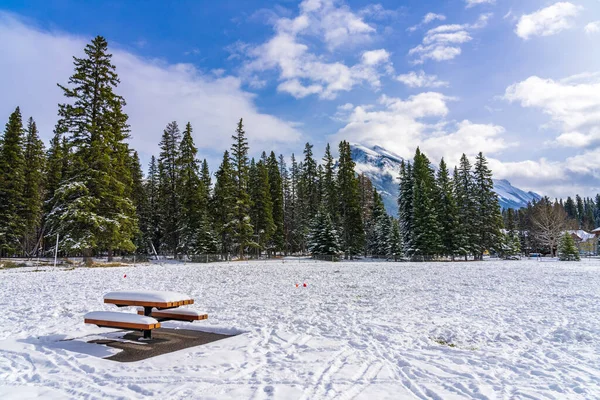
155, 307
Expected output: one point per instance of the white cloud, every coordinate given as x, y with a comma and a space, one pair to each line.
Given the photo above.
428, 18
302, 72
592, 27
375, 57
472, 3
156, 92
573, 105
401, 125
421, 80
547, 21
444, 42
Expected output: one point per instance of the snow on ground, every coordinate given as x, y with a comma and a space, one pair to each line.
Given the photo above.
520, 329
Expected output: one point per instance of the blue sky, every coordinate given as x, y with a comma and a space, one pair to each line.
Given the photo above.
518, 80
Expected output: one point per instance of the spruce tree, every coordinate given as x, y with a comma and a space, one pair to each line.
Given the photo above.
405, 206
33, 189
140, 202
308, 195
323, 237
330, 199
447, 211
242, 228
223, 205
464, 193
91, 208
277, 201
12, 182
262, 205
153, 232
489, 218
426, 241
168, 188
193, 196
293, 209
205, 177
396, 241
352, 232
567, 251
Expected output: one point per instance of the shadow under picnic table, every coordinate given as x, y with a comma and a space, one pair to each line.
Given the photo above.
164, 340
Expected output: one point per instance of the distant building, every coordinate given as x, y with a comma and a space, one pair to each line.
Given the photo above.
587, 242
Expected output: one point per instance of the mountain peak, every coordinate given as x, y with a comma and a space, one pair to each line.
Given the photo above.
382, 167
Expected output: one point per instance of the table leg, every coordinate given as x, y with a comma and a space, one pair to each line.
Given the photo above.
148, 332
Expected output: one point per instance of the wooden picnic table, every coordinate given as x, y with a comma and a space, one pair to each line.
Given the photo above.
148, 299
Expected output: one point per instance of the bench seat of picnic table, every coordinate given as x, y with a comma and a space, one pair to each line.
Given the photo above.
111, 319
148, 298
179, 314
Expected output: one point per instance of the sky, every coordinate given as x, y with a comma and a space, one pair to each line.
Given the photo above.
517, 80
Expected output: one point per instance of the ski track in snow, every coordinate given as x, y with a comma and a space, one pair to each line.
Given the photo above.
524, 329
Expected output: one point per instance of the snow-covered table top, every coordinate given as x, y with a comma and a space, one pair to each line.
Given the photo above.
148, 298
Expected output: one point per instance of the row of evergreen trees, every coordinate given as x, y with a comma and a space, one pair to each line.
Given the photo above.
449, 216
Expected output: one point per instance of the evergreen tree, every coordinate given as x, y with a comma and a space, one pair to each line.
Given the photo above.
352, 235
396, 245
567, 251
262, 205
330, 202
277, 201
293, 209
91, 208
153, 232
405, 206
571, 208
489, 218
12, 182
323, 237
580, 211
33, 189
447, 211
140, 201
193, 196
239, 158
168, 188
464, 193
205, 177
308, 194
223, 205
426, 241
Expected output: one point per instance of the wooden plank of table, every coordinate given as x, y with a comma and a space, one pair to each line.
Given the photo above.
170, 304
122, 325
175, 316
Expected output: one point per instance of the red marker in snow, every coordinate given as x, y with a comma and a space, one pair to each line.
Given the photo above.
305, 285
125, 276
297, 285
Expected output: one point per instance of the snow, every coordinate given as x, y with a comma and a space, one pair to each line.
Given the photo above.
364, 330
150, 296
119, 317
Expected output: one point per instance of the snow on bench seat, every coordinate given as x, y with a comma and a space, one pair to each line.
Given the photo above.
148, 298
111, 319
182, 314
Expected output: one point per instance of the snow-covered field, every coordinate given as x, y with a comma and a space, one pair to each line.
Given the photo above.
519, 329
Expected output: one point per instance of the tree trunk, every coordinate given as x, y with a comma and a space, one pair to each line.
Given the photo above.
87, 257
110, 255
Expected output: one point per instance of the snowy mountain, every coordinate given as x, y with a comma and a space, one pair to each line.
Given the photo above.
383, 166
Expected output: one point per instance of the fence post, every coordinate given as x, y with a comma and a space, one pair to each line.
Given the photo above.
56, 250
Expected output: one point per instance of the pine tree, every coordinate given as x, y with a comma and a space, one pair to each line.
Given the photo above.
405, 206
205, 177
571, 208
33, 189
396, 242
168, 188
153, 233
223, 205
323, 237
308, 194
193, 196
463, 191
293, 209
239, 158
580, 211
426, 241
330, 202
447, 211
262, 206
489, 218
352, 235
91, 208
12, 182
567, 251
277, 201
140, 202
